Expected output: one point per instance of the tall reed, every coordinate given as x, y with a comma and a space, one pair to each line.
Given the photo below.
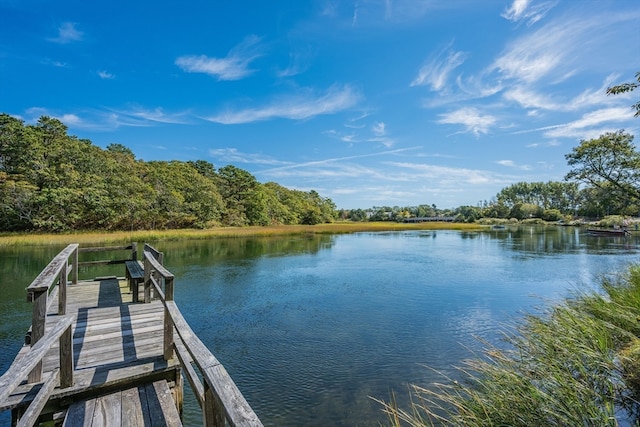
191, 234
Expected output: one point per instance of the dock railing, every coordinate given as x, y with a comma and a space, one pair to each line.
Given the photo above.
41, 292
218, 396
30, 363
133, 247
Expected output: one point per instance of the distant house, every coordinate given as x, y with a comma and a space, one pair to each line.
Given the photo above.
430, 219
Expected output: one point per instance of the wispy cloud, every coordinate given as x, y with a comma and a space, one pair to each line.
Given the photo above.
71, 120
106, 75
157, 115
234, 66
513, 165
338, 160
298, 63
530, 98
526, 10
359, 133
591, 124
67, 33
554, 52
379, 129
470, 118
232, 155
435, 72
295, 107
445, 174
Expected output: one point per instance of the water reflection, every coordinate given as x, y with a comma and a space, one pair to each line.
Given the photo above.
549, 240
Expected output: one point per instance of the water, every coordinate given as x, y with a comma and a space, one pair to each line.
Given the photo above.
310, 328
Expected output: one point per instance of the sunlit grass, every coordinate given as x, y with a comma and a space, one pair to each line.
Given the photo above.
576, 364
118, 237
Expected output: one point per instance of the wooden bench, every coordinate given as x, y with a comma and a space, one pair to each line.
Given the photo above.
135, 276
146, 405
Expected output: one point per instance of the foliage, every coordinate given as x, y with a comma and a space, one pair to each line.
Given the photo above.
578, 363
51, 181
609, 163
627, 87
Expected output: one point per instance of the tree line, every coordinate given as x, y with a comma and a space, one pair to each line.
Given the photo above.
604, 180
53, 181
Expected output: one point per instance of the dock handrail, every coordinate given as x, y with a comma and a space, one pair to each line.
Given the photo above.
133, 247
32, 359
55, 273
218, 396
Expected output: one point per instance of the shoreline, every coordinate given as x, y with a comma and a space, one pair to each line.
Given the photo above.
345, 227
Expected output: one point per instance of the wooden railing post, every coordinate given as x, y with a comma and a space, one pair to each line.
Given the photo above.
147, 280
74, 267
168, 322
62, 291
134, 251
39, 300
66, 358
212, 409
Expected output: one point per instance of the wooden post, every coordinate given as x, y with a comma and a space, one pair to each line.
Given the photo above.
74, 267
178, 390
62, 291
134, 251
147, 280
39, 299
168, 322
212, 410
66, 358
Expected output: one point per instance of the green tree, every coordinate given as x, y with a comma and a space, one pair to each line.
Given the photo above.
237, 188
468, 213
609, 162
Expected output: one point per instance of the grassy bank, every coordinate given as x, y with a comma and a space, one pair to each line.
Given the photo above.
576, 364
107, 237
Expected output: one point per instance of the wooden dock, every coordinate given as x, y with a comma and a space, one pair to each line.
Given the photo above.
96, 356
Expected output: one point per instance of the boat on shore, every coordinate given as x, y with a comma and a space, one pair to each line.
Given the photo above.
607, 232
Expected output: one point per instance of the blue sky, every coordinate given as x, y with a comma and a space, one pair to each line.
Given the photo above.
369, 102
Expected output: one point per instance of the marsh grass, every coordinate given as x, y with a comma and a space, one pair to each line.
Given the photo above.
574, 364
117, 237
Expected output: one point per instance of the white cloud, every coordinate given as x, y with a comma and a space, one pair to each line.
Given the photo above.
551, 52
106, 75
435, 72
445, 174
234, 156
525, 10
591, 124
338, 160
379, 129
297, 107
470, 118
157, 115
513, 165
531, 99
234, 66
67, 33
71, 120
527, 98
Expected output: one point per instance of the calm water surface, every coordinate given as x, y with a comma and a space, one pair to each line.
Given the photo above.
310, 327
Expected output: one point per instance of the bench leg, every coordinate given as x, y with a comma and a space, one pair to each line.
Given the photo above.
135, 285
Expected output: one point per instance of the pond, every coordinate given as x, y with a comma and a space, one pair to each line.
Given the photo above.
311, 327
